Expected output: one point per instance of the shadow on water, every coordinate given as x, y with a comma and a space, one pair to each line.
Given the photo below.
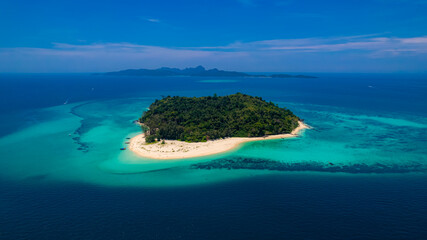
266, 164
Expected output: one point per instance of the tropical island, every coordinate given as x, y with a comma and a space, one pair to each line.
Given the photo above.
198, 71
184, 127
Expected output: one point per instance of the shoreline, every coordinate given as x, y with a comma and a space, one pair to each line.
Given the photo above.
174, 149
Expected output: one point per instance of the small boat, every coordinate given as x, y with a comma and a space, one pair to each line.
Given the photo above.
122, 148
127, 142
330, 163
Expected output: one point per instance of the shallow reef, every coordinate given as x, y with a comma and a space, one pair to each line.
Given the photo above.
266, 164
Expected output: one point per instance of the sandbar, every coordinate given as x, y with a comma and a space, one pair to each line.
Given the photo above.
173, 149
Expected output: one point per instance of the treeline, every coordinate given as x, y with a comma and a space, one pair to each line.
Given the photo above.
206, 118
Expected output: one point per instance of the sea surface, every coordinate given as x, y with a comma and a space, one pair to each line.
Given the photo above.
359, 173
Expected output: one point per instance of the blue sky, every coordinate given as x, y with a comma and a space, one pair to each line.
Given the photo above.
243, 35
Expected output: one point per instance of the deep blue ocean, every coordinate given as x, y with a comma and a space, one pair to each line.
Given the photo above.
360, 173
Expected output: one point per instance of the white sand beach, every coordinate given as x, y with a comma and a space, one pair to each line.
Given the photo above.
173, 149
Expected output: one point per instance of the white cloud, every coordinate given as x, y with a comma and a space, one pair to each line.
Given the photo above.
369, 43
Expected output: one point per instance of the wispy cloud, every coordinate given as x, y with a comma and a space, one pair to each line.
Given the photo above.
63, 57
416, 2
368, 43
348, 53
153, 20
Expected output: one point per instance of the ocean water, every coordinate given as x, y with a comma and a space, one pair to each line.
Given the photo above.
359, 173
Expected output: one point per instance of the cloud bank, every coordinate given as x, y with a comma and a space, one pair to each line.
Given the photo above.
367, 53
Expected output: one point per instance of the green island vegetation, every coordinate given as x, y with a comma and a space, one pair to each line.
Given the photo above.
198, 119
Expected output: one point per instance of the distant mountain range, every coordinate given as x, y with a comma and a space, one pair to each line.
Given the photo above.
198, 71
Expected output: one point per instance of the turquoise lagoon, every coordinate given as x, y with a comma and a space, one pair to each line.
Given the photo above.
80, 141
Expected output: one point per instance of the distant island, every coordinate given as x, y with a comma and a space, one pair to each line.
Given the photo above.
198, 71
181, 127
